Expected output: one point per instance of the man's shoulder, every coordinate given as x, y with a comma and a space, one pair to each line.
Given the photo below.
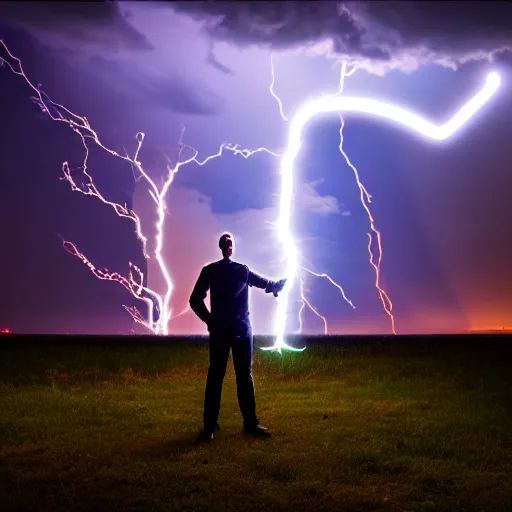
237, 264
222, 263
214, 264
221, 266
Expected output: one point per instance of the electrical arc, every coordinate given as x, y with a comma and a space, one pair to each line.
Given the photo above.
335, 104
159, 311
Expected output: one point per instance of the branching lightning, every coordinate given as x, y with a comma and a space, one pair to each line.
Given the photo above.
134, 283
157, 321
365, 201
337, 104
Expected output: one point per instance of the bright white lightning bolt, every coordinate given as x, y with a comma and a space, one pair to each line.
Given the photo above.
81, 126
337, 104
303, 299
329, 104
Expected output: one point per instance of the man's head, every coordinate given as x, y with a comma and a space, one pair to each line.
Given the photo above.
227, 245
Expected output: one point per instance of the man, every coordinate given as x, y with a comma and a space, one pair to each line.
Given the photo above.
230, 328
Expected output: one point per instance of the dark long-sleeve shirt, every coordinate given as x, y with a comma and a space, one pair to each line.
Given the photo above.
228, 282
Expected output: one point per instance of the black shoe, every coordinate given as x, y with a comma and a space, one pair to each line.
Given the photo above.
204, 436
258, 430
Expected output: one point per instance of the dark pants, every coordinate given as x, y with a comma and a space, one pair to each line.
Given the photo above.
242, 347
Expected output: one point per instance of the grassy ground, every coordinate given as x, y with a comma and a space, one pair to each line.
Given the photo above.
406, 425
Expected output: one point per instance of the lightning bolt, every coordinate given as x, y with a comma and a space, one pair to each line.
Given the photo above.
303, 298
272, 92
337, 104
134, 282
365, 201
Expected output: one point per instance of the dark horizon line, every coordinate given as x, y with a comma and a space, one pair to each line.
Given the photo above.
469, 333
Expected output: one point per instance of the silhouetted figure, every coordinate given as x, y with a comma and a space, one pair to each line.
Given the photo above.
230, 328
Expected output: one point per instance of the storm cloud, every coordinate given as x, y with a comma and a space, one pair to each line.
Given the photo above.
378, 36
101, 24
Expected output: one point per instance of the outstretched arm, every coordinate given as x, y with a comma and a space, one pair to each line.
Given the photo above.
198, 295
268, 285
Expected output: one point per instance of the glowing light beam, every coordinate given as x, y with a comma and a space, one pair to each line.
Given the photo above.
303, 299
372, 107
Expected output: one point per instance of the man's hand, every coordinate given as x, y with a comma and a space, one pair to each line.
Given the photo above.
278, 286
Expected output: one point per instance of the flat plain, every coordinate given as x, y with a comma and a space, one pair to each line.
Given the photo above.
395, 423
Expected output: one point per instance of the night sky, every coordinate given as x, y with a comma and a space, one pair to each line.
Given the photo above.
443, 208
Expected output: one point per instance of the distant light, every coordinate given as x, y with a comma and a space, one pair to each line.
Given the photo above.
6, 331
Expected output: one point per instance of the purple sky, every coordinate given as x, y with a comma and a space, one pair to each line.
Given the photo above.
443, 209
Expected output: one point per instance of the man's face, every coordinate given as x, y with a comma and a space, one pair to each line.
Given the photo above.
227, 246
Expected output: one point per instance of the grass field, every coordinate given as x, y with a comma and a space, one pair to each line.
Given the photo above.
408, 424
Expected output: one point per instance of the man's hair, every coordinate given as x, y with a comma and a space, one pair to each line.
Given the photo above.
223, 239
